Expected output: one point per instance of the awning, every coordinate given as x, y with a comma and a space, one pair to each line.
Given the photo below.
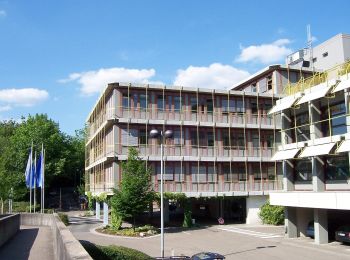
344, 147
285, 154
316, 150
283, 103
312, 95
343, 84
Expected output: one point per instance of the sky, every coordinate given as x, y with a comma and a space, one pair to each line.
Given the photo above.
56, 56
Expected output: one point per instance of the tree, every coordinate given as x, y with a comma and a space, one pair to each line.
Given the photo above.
134, 194
270, 214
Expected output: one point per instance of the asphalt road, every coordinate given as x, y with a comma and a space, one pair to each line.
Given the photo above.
233, 241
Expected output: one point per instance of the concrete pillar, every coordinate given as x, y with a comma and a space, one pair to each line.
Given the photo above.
98, 209
304, 216
290, 222
321, 226
288, 176
166, 210
286, 124
318, 182
253, 204
315, 116
105, 214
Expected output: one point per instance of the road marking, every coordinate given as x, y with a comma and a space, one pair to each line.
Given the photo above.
251, 233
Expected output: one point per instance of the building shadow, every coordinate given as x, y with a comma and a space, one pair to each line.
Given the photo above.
20, 245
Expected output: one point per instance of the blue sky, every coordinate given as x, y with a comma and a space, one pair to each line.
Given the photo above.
55, 56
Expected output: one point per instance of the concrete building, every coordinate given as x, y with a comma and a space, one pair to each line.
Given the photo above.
314, 151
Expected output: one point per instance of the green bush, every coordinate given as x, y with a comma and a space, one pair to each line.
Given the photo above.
64, 218
112, 252
116, 219
273, 215
187, 215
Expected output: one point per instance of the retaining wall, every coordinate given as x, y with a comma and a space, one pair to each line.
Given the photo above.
9, 226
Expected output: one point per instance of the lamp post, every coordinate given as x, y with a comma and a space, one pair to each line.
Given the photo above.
163, 136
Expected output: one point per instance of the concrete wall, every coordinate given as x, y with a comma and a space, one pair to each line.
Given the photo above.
253, 207
9, 226
65, 245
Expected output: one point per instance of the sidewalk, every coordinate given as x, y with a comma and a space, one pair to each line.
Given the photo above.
29, 243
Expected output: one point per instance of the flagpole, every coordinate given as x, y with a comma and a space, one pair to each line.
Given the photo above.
43, 185
42, 177
34, 181
30, 179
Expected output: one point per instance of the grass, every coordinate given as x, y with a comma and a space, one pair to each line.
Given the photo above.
64, 218
142, 231
113, 252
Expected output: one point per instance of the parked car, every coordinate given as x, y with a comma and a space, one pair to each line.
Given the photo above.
207, 256
182, 257
310, 230
343, 234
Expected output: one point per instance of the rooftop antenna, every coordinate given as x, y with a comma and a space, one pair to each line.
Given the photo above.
309, 46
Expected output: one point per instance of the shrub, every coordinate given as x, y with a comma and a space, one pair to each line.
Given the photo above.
64, 218
187, 215
273, 215
116, 219
112, 252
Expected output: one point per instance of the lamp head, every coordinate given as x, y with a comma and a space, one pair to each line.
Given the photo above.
154, 133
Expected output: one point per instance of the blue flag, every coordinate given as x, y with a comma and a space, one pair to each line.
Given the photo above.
39, 170
29, 169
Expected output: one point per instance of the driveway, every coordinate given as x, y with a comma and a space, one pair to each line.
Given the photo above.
233, 241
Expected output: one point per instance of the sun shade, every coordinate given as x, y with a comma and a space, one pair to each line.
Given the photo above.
285, 155
283, 104
316, 150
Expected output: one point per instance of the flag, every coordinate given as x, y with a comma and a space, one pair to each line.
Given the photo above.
40, 169
29, 169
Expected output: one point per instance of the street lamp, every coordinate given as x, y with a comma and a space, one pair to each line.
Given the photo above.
154, 133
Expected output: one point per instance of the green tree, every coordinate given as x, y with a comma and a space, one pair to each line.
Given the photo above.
134, 194
270, 214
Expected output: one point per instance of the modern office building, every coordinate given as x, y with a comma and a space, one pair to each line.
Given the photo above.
221, 150
315, 153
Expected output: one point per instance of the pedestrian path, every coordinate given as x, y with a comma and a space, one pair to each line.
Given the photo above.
250, 232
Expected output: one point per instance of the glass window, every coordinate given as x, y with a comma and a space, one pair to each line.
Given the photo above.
224, 105
337, 167
254, 107
134, 98
160, 102
225, 138
303, 170
178, 174
177, 137
303, 127
143, 101
142, 137
338, 120
241, 173
170, 103
226, 172
255, 140
269, 82
256, 172
240, 141
232, 106
254, 87
177, 104
240, 107
209, 105
125, 102
194, 140
210, 139
194, 105
194, 173
211, 174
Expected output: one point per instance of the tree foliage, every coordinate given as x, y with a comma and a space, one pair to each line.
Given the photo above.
64, 157
134, 194
270, 214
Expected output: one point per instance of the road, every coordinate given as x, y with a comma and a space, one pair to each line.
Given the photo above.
233, 241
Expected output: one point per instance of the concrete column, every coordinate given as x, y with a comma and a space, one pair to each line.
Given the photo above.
166, 210
286, 124
288, 176
304, 216
318, 182
315, 116
253, 204
98, 210
321, 226
105, 214
290, 222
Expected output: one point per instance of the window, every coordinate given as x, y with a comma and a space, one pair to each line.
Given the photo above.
142, 137
255, 140
134, 98
254, 107
254, 87
178, 175
240, 141
125, 101
241, 173
211, 174
269, 82
143, 101
303, 170
129, 138
314, 60
271, 172
226, 172
302, 127
210, 139
160, 102
240, 107
337, 122
210, 106
337, 167
177, 104
170, 103
269, 141
325, 54
256, 172
224, 104
194, 140
177, 137
194, 105
225, 139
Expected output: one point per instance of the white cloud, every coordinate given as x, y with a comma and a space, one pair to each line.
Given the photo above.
216, 76
3, 13
265, 53
96, 80
5, 108
23, 96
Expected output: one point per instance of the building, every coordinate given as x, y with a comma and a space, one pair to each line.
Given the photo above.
314, 151
220, 153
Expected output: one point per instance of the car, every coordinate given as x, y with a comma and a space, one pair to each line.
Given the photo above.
181, 257
207, 256
310, 230
342, 234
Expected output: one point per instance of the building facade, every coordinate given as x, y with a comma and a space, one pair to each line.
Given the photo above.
314, 150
